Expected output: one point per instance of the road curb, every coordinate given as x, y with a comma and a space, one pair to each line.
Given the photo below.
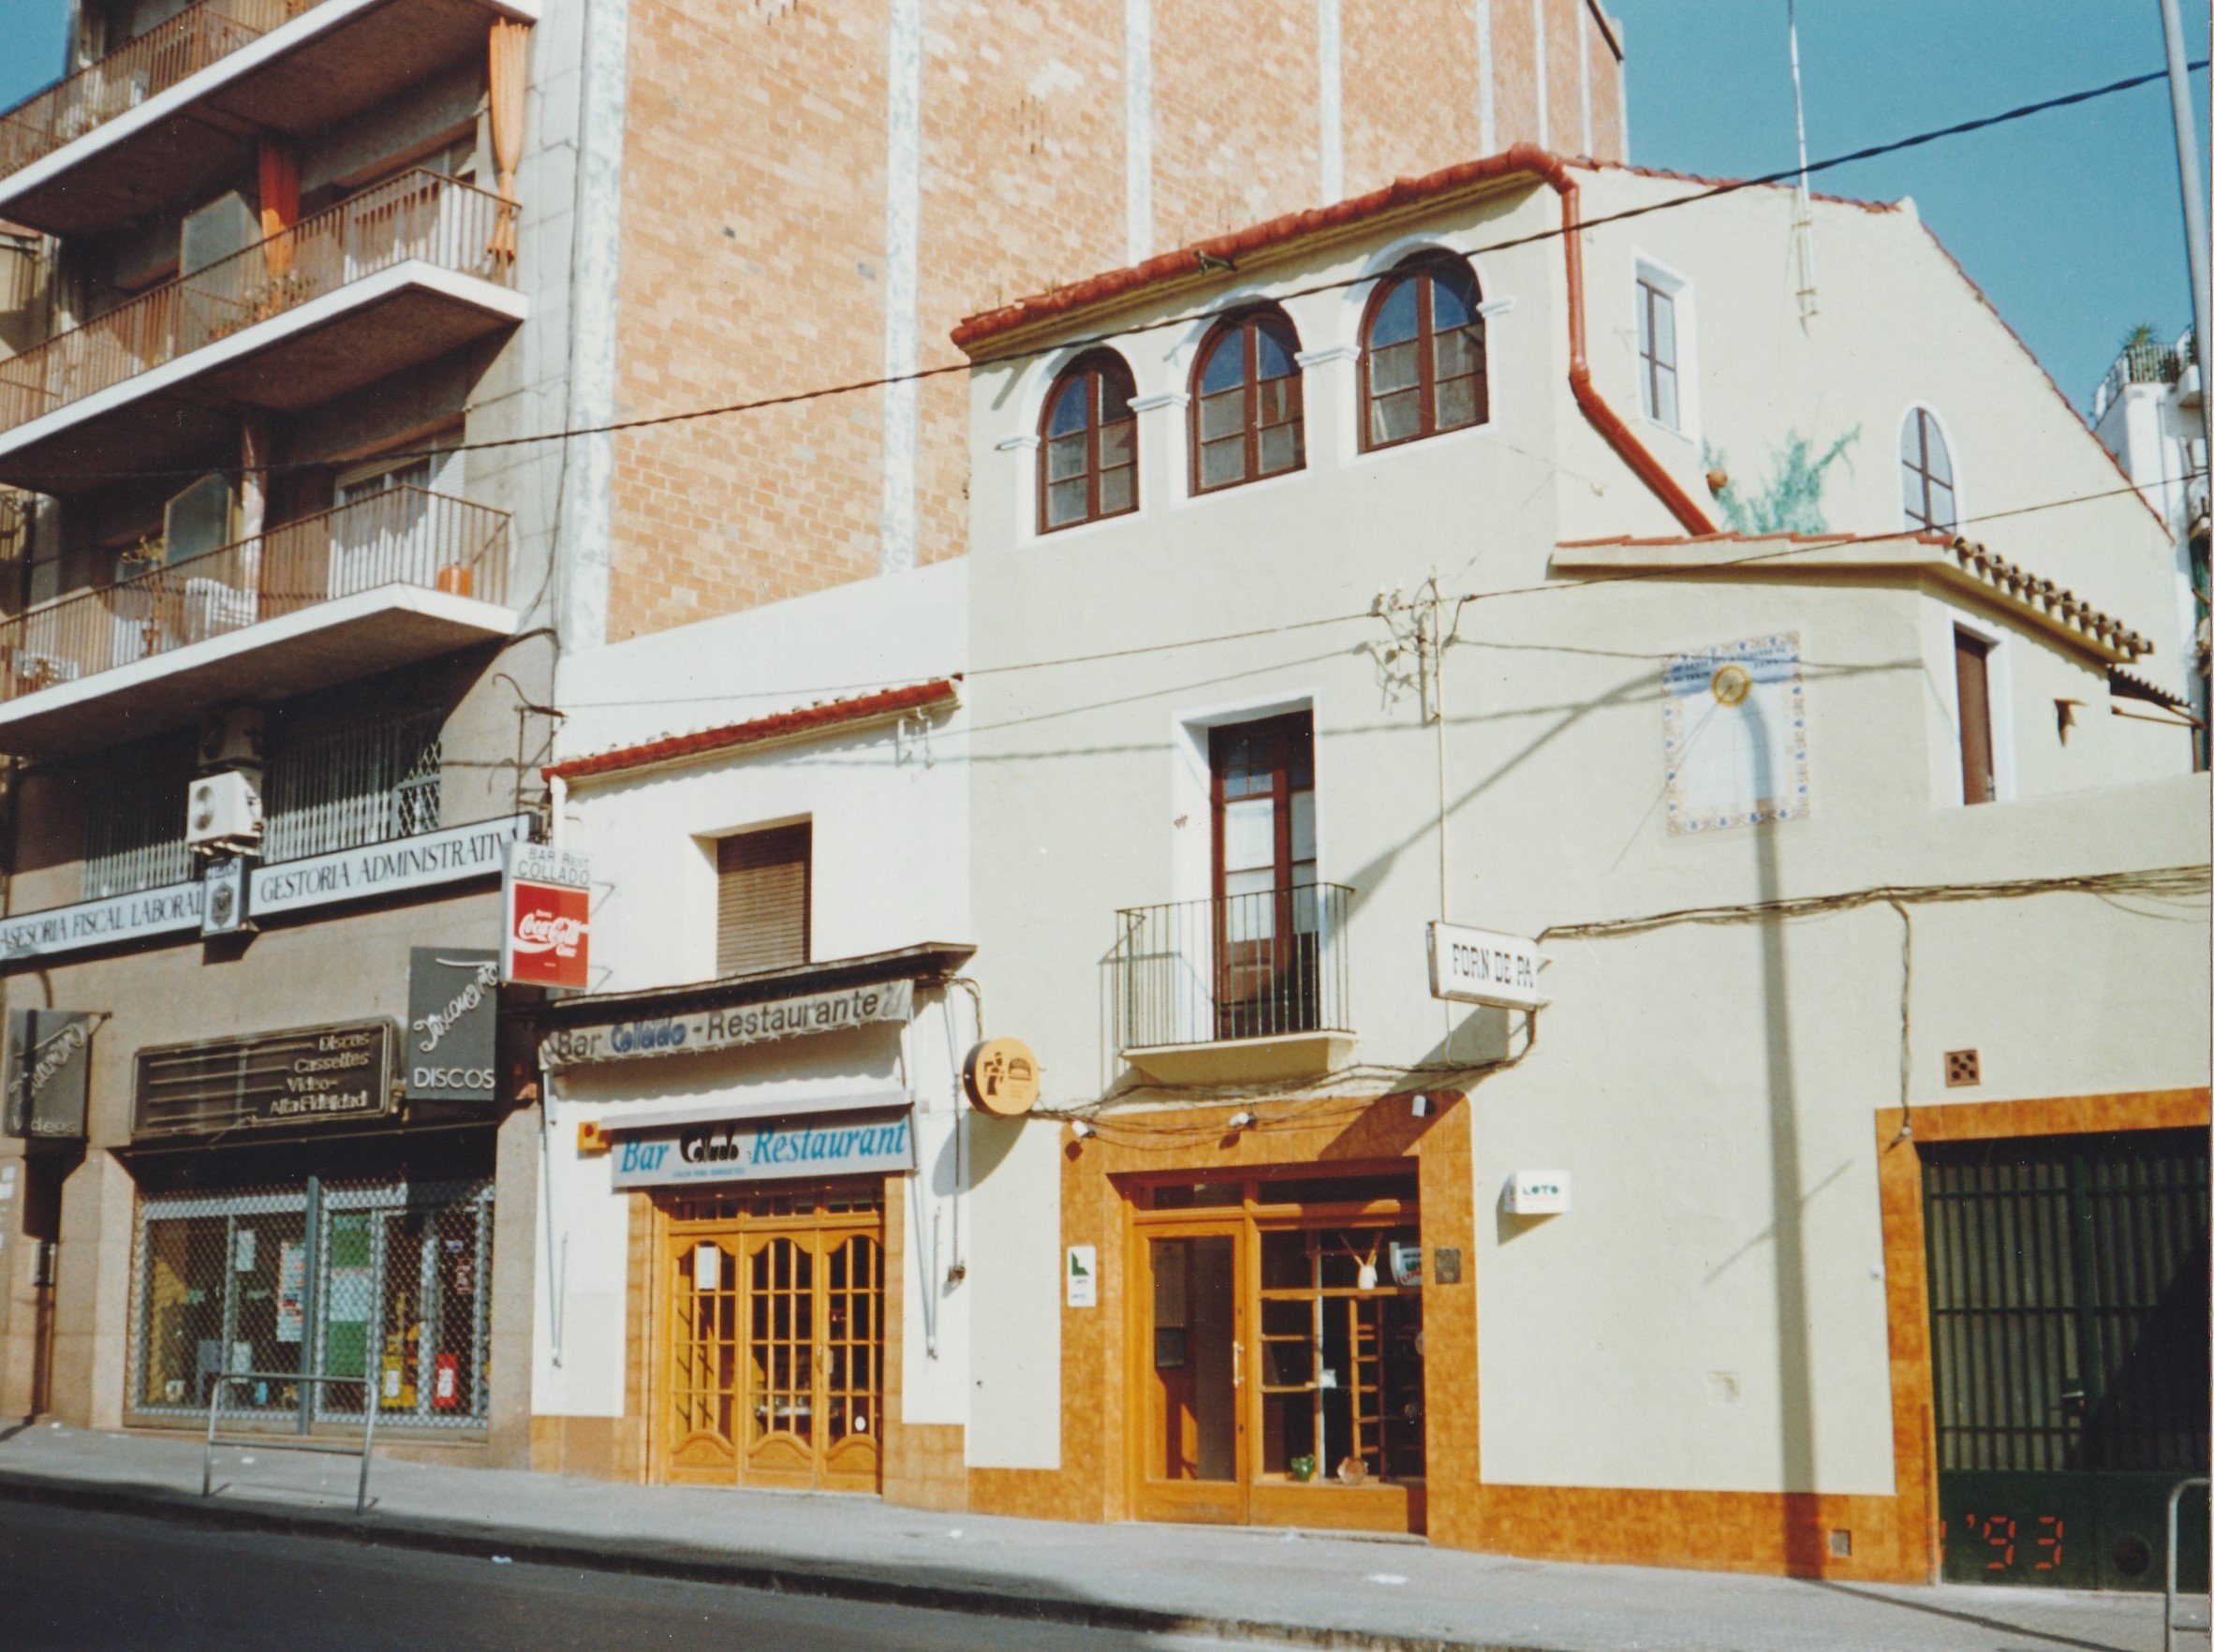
915, 1586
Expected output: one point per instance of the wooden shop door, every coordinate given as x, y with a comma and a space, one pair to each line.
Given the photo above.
773, 1372
1192, 1430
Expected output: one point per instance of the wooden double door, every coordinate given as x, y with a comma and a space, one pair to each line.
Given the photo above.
772, 1367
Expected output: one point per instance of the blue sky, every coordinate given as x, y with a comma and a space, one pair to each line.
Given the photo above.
2069, 220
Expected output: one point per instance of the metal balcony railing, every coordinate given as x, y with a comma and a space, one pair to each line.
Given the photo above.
2143, 361
1265, 965
418, 214
133, 72
402, 535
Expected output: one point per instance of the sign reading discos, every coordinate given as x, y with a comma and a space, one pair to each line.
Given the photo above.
727, 1029
453, 1012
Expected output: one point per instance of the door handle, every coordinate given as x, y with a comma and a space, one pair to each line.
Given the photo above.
1237, 1364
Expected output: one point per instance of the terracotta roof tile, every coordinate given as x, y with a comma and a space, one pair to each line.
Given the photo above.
805, 719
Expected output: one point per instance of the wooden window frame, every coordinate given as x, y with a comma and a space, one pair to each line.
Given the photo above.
1978, 733
1922, 426
1281, 731
1425, 343
1093, 366
1248, 326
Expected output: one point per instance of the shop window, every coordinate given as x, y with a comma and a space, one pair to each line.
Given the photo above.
1341, 1364
340, 782
762, 882
134, 826
390, 1280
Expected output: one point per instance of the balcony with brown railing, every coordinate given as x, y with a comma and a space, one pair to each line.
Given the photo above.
166, 117
390, 579
396, 276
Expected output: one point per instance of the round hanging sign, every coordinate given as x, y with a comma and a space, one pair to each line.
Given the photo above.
1001, 1077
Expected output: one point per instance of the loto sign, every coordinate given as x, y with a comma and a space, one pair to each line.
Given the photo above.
546, 917
1484, 967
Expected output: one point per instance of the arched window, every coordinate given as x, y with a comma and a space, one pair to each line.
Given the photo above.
1925, 474
1245, 404
1087, 457
1422, 353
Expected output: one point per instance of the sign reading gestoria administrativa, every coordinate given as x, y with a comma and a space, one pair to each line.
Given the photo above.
312, 1075
793, 1017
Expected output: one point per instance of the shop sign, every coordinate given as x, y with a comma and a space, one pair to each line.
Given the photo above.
390, 867
172, 910
316, 1075
728, 1029
48, 1070
1001, 1077
454, 1010
1484, 967
766, 1150
546, 923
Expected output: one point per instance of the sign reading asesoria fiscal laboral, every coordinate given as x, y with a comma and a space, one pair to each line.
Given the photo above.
1484, 967
760, 1150
798, 1016
453, 1012
546, 918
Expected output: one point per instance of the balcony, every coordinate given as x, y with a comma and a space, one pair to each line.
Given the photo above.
1248, 987
399, 274
2144, 360
400, 577
165, 119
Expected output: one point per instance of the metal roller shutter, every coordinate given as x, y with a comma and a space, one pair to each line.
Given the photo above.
761, 884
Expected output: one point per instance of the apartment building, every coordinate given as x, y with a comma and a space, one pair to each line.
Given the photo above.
313, 279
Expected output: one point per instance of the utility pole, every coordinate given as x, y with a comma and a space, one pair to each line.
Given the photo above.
1803, 218
2194, 205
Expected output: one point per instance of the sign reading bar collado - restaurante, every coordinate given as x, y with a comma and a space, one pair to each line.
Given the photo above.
797, 1016
766, 1149
312, 1075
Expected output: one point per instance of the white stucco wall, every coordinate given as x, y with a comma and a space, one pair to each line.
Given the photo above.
1711, 1314
887, 802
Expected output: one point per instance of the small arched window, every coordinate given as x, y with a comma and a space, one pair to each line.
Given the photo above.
1925, 474
1422, 353
1087, 457
1246, 404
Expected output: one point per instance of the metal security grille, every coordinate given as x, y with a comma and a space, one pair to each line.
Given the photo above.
761, 881
387, 1279
134, 831
340, 784
2069, 1324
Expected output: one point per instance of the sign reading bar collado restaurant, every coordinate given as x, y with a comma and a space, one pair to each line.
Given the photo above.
314, 1075
797, 1016
768, 1149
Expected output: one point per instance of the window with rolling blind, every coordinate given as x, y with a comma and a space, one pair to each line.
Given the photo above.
760, 899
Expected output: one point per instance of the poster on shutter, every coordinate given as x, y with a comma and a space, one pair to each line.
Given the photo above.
546, 925
1734, 735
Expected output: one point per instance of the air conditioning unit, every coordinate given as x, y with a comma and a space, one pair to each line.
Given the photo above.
232, 739
223, 809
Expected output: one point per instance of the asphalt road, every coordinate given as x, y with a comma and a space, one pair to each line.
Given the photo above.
73, 1579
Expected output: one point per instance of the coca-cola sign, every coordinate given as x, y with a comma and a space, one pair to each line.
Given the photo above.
547, 935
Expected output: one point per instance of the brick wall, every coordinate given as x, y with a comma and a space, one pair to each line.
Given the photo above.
755, 254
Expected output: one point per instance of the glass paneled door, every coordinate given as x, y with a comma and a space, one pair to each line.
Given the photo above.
1194, 1437
773, 1369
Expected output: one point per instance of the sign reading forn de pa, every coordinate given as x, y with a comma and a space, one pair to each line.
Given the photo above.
1484, 967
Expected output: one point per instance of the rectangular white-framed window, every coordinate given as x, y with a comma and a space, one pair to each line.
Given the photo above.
1666, 360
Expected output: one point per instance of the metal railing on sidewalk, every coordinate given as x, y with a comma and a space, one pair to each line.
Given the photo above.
2168, 1624
277, 1443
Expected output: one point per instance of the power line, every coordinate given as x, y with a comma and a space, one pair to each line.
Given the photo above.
852, 386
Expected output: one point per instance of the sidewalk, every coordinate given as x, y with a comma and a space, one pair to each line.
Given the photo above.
1267, 1585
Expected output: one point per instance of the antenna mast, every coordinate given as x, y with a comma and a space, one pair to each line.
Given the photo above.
1803, 221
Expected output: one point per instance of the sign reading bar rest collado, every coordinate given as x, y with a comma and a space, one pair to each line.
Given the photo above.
546, 918
1484, 967
797, 1016
312, 1075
